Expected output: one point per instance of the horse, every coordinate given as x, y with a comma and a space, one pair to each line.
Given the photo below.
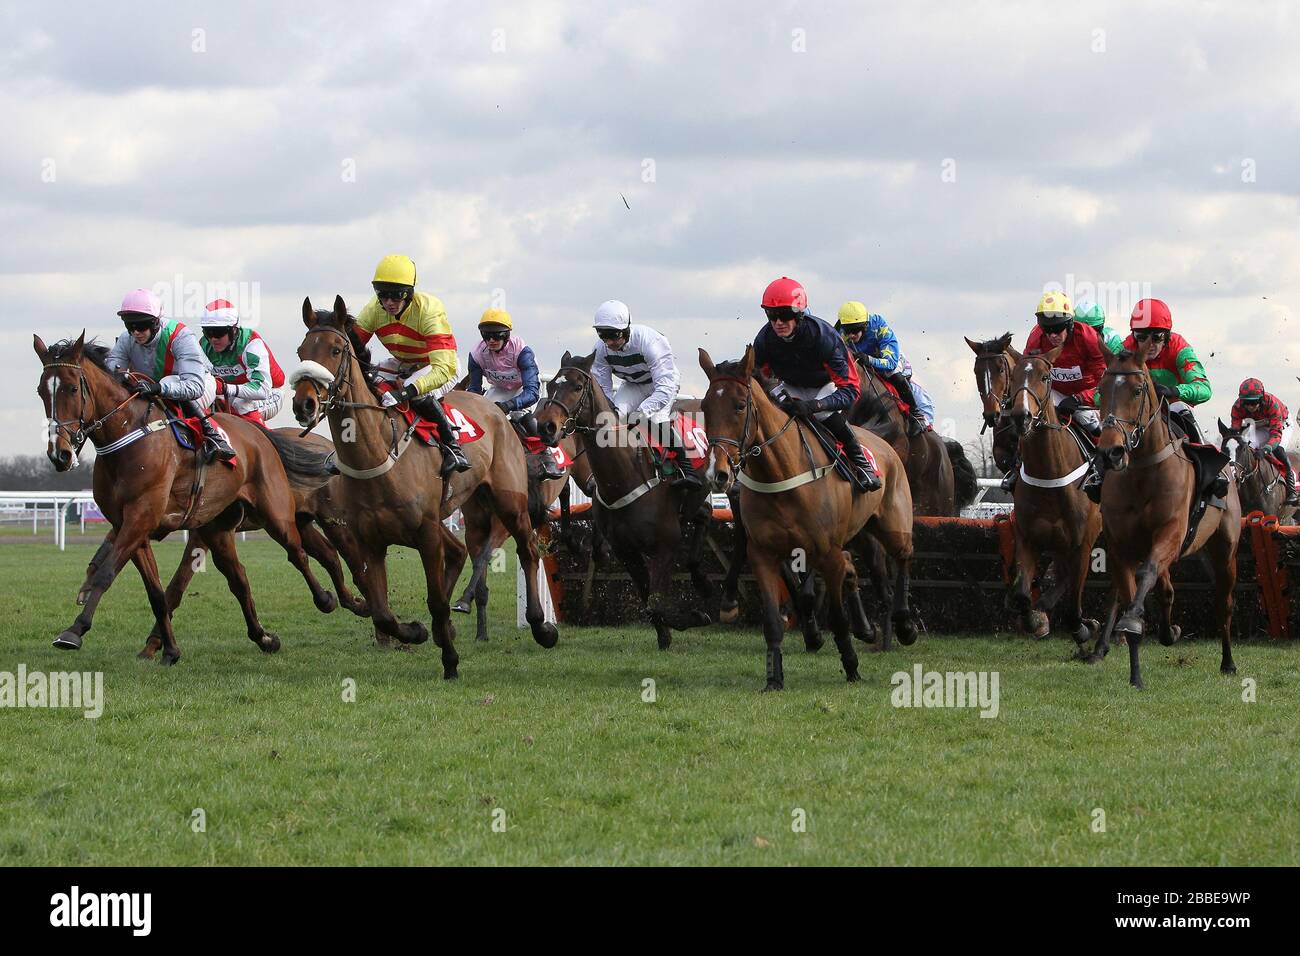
790, 508
393, 493
1054, 518
993, 381
636, 511
315, 486
1151, 484
148, 487
1260, 482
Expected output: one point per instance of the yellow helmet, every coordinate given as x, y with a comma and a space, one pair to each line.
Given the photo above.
853, 313
496, 317
395, 270
1055, 305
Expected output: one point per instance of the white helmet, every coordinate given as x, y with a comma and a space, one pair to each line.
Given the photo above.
219, 313
612, 315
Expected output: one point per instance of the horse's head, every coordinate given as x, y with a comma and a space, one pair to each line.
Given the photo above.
1031, 390
326, 352
1235, 443
570, 399
729, 416
992, 374
1129, 406
79, 394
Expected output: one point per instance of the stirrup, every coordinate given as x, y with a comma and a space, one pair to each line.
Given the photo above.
1092, 486
453, 459
1009, 479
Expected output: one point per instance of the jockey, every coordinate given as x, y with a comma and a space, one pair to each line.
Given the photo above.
170, 355
643, 361
818, 379
1076, 373
1091, 314
413, 327
1177, 373
868, 335
511, 370
248, 376
1272, 428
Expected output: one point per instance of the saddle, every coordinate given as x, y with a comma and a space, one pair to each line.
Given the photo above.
427, 431
835, 449
697, 447
1211, 485
188, 433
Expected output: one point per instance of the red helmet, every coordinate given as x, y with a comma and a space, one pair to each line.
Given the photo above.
1252, 390
785, 293
1151, 314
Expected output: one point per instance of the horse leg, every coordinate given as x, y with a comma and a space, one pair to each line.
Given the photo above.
898, 545
1131, 587
803, 601
138, 521
835, 569
373, 581
148, 567
660, 603
520, 528
1222, 551
768, 578
1169, 632
101, 554
729, 608
454, 555
1076, 574
284, 531
222, 545
1020, 600
863, 629
695, 560
431, 547
175, 592
480, 539
319, 547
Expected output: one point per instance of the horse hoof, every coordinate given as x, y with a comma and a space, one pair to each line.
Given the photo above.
1130, 625
1175, 632
327, 602
852, 676
814, 643
1039, 625
168, 658
728, 613
461, 607
700, 618
360, 608
1137, 685
546, 634
68, 641
1227, 668
665, 643
269, 643
145, 655
774, 685
480, 638
419, 633
905, 631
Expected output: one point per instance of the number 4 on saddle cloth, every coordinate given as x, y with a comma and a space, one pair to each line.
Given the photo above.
467, 430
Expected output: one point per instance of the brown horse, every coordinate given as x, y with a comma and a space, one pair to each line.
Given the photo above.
1054, 519
993, 381
316, 489
1151, 483
636, 511
792, 506
147, 486
1260, 483
393, 494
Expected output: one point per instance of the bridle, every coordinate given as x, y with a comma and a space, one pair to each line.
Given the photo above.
77, 439
984, 385
1132, 438
744, 449
333, 390
1244, 474
1039, 419
571, 416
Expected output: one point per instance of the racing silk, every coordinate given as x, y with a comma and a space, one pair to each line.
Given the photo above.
814, 356
513, 369
1178, 367
172, 358
1079, 366
1270, 411
880, 345
1110, 338
248, 368
419, 336
647, 358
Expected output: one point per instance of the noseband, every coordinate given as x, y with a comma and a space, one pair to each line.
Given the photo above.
1132, 438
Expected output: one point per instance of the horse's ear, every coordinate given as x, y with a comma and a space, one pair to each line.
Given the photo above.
1223, 429
340, 312
566, 358
308, 313
1106, 353
974, 346
1015, 356
586, 362
747, 363
39, 345
706, 363
78, 345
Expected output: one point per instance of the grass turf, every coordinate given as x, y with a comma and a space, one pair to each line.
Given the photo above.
560, 748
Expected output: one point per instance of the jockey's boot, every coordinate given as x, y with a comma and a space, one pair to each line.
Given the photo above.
551, 469
1013, 475
1092, 482
221, 449
913, 420
686, 476
453, 457
1292, 499
865, 477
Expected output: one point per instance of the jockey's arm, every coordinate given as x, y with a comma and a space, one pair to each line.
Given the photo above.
189, 369
1193, 383
887, 351
1277, 419
600, 372
442, 369
532, 379
475, 378
1237, 415
666, 383
118, 359
257, 365
845, 377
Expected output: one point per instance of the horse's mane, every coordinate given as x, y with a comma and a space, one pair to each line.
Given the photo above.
734, 368
996, 346
93, 350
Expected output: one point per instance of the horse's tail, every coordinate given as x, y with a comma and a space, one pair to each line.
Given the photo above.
304, 464
964, 479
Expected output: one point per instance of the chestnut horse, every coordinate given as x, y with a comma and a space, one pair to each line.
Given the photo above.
148, 486
792, 506
636, 511
393, 494
1260, 483
1147, 495
1054, 519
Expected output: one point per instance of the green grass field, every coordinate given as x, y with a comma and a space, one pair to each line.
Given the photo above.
417, 769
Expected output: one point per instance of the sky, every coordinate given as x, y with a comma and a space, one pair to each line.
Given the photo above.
944, 163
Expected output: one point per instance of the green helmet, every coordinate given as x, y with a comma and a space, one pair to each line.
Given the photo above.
1091, 314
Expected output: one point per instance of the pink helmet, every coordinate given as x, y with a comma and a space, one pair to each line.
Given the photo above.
143, 302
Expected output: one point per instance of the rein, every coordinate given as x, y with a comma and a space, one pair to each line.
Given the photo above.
78, 438
744, 453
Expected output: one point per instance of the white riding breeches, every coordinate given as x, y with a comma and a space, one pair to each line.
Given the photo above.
494, 394
629, 396
1085, 415
392, 370
268, 408
1257, 434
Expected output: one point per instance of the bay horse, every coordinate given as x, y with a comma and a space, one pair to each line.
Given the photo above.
1260, 482
393, 493
1054, 519
1151, 482
148, 487
636, 511
993, 381
790, 506
316, 489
